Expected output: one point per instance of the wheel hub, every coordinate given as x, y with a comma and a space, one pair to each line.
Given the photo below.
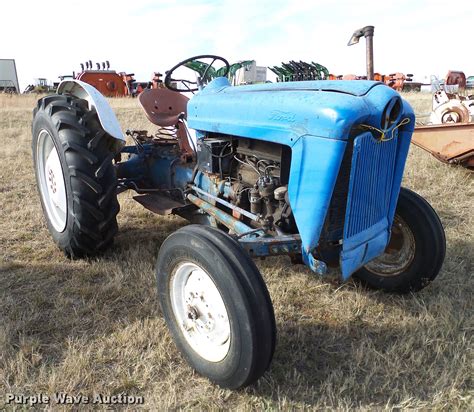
399, 252
200, 311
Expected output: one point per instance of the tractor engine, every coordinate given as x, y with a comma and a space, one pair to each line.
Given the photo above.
250, 174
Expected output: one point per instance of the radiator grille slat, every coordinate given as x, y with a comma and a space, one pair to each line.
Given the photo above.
373, 165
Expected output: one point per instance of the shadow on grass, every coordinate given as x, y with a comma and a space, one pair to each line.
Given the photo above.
415, 357
51, 303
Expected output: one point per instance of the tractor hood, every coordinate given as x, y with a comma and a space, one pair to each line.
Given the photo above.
358, 88
316, 119
283, 112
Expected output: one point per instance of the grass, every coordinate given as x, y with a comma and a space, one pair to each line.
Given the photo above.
95, 326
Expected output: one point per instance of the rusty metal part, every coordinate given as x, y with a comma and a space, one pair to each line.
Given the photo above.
227, 220
450, 143
163, 107
398, 254
272, 246
108, 82
166, 108
368, 33
451, 108
451, 112
156, 81
395, 81
159, 204
227, 204
455, 77
369, 38
255, 246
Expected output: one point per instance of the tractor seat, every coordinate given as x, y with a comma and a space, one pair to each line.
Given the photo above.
163, 107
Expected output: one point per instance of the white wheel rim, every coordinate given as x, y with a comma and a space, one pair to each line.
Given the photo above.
200, 312
51, 181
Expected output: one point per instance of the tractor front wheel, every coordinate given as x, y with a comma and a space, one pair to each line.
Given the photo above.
75, 176
216, 305
415, 253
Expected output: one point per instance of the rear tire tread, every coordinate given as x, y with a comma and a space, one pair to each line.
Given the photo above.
88, 173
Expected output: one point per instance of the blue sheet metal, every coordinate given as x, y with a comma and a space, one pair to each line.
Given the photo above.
314, 168
374, 186
316, 119
271, 245
278, 115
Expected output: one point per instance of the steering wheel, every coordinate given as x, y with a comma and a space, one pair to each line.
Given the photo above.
204, 72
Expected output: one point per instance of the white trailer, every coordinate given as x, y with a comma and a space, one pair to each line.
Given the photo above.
8, 76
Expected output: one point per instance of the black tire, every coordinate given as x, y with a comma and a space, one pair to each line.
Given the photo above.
85, 155
421, 249
249, 308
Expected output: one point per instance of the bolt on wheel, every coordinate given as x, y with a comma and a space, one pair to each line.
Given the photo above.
216, 305
200, 311
415, 253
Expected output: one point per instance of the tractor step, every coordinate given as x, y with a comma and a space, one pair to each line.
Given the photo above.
159, 204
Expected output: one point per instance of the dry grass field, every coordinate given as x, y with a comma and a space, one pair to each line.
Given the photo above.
95, 326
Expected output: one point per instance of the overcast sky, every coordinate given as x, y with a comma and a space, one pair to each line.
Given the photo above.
48, 38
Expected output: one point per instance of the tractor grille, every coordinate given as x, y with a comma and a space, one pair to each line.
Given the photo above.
370, 184
333, 229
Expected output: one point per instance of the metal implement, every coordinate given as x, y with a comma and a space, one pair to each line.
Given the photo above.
450, 134
300, 71
450, 143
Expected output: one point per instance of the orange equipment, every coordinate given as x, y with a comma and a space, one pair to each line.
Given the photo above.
106, 81
397, 81
156, 82
455, 77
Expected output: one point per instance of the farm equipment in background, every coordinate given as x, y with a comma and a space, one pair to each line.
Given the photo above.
299, 71
455, 81
156, 82
206, 70
108, 82
41, 86
312, 171
449, 136
397, 81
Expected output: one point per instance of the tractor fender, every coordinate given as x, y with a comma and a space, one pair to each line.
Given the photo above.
96, 100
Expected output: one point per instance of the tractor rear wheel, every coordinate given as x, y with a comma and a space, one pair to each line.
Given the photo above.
415, 253
216, 305
75, 176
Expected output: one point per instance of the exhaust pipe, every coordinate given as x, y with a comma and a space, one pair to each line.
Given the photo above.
368, 33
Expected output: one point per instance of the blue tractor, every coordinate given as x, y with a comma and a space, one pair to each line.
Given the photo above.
308, 169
